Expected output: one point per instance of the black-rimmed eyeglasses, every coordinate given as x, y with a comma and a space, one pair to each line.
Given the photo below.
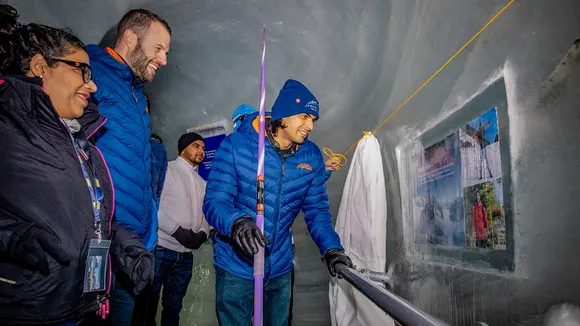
85, 68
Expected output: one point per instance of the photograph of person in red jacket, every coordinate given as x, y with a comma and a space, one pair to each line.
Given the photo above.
485, 223
479, 222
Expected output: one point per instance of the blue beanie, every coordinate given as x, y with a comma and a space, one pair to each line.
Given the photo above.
241, 111
294, 98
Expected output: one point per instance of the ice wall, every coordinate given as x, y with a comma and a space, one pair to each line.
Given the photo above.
362, 59
532, 48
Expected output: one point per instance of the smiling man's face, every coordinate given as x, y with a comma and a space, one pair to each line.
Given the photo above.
297, 127
151, 52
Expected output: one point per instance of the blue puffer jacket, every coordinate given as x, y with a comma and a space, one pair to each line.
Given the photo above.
327, 174
125, 142
158, 168
292, 184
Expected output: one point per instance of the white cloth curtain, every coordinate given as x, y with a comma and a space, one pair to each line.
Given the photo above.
362, 227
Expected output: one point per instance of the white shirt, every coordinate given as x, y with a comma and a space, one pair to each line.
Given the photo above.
181, 203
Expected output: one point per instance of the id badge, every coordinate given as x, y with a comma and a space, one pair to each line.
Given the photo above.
96, 276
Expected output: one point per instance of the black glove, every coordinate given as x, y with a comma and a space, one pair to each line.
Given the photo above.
248, 236
29, 247
131, 257
334, 256
198, 239
188, 238
212, 234
143, 272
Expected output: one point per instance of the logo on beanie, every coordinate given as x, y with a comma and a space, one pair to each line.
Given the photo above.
312, 105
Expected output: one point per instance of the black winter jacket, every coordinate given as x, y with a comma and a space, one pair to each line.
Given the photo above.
42, 185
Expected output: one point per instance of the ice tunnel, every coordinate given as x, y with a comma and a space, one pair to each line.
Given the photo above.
363, 59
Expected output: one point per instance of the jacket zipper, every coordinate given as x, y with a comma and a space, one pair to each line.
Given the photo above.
145, 164
277, 215
133, 93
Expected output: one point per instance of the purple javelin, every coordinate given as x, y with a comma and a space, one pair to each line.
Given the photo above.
259, 257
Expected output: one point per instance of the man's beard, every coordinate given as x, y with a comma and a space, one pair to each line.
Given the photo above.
192, 159
138, 63
196, 160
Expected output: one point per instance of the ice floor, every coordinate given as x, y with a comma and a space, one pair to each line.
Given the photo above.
199, 302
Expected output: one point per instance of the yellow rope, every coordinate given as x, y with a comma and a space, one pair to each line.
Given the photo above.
326, 150
333, 155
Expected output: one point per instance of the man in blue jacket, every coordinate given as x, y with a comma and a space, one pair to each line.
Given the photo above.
332, 164
140, 49
294, 181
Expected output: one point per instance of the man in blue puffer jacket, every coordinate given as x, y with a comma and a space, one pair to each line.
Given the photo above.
294, 181
140, 49
332, 164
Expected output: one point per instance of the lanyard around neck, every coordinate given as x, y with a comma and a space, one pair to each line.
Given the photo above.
92, 183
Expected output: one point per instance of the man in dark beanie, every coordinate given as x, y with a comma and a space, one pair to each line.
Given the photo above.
187, 139
182, 227
294, 182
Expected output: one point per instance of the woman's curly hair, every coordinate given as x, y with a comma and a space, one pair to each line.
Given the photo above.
8, 18
18, 49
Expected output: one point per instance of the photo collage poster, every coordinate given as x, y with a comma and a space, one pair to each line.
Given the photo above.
458, 193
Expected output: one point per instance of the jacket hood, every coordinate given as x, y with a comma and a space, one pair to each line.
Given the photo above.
21, 85
247, 126
250, 127
242, 110
97, 53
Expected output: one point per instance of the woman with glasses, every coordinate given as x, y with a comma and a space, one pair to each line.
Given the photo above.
57, 239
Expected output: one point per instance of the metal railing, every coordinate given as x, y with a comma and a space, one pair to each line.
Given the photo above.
396, 307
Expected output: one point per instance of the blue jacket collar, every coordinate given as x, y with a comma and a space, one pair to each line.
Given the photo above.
248, 128
122, 68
